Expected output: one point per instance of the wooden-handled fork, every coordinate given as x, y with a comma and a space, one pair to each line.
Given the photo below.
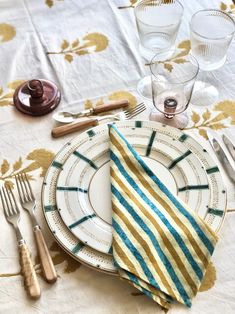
28, 202
12, 214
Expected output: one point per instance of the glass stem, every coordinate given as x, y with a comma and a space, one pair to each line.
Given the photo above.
168, 116
170, 105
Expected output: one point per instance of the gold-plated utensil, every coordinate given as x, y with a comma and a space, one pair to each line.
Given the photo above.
76, 126
28, 202
69, 117
12, 214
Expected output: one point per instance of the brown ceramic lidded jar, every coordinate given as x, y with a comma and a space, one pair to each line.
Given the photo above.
37, 97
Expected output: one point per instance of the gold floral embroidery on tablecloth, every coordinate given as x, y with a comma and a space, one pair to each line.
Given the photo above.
228, 8
221, 116
59, 256
183, 49
7, 32
131, 5
6, 97
117, 95
90, 43
50, 3
38, 159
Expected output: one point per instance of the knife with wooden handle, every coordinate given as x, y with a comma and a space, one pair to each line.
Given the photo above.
110, 106
72, 127
48, 267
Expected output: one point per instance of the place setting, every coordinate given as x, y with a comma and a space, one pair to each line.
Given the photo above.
132, 193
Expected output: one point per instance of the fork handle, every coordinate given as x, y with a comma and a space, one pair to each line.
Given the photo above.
48, 267
72, 127
28, 271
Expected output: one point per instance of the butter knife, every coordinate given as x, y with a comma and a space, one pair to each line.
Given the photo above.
229, 145
220, 154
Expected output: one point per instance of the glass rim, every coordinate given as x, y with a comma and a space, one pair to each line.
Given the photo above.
210, 10
180, 83
159, 26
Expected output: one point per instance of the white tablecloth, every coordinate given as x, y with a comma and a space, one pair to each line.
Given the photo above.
44, 39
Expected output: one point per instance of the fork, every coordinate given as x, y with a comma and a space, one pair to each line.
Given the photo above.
12, 214
28, 202
76, 126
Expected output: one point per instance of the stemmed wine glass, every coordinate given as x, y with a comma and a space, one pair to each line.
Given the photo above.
158, 23
172, 86
211, 34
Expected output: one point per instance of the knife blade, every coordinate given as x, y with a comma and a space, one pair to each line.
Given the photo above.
229, 146
220, 154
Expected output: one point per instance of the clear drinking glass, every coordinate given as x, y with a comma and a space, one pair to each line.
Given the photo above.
158, 22
211, 34
172, 86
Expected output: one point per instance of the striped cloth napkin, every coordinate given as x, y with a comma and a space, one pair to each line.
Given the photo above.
159, 245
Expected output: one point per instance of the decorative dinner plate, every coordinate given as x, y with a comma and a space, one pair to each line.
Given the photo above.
76, 192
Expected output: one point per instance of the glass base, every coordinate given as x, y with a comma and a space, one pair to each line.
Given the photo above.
204, 94
179, 121
209, 66
144, 87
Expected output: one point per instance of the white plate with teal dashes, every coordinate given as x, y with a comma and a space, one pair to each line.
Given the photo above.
76, 191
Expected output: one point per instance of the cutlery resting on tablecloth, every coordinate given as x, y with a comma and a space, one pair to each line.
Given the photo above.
77, 126
12, 214
28, 202
224, 155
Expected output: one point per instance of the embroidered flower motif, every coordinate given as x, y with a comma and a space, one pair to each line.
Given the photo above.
90, 43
